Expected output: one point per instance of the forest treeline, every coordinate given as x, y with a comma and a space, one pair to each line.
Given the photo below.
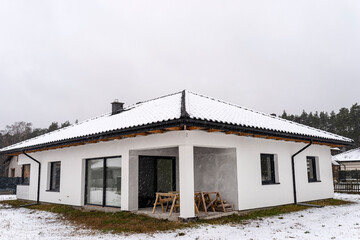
345, 123
20, 131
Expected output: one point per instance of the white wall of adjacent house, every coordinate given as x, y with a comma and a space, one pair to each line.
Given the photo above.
251, 193
14, 168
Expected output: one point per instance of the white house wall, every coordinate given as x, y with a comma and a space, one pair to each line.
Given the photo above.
251, 192
72, 173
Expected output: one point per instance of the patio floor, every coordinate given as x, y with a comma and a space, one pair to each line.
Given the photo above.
175, 215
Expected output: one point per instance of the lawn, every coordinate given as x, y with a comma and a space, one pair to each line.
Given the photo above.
127, 222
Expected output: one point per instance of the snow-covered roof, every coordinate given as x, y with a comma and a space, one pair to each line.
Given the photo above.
334, 162
351, 155
182, 105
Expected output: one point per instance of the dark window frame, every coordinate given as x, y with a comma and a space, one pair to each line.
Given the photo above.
53, 187
25, 181
273, 173
104, 159
312, 160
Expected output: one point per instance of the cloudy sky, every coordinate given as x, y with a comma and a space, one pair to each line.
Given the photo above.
67, 60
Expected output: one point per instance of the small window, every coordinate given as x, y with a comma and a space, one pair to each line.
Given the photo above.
25, 174
12, 173
268, 175
312, 169
55, 176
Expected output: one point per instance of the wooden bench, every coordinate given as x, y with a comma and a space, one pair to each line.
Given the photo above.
215, 203
174, 198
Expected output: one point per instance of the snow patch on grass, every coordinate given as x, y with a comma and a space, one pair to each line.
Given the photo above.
332, 222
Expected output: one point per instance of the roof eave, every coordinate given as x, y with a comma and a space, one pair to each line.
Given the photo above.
233, 127
183, 121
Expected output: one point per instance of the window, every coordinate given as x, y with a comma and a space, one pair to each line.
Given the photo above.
25, 174
12, 173
268, 169
55, 176
312, 169
103, 182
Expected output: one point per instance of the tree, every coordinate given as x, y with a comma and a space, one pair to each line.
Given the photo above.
20, 131
53, 126
65, 124
346, 122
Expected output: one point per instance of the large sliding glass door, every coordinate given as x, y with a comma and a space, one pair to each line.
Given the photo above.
113, 182
103, 181
156, 174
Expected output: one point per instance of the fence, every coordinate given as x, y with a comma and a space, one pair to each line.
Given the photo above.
8, 184
347, 187
350, 175
348, 181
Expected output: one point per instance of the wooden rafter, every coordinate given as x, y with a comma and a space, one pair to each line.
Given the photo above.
141, 134
129, 135
173, 129
156, 131
259, 136
232, 132
246, 134
195, 128
214, 130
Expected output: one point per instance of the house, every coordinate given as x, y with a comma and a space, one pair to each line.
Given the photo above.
185, 142
13, 175
13, 168
349, 160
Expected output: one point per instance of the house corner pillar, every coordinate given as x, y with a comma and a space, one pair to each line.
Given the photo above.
125, 181
186, 177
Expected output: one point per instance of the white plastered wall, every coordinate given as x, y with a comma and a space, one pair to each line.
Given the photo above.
251, 192
14, 165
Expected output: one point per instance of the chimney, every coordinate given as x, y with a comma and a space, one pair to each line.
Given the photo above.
117, 107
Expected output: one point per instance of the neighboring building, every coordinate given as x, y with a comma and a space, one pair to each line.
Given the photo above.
349, 160
185, 142
14, 169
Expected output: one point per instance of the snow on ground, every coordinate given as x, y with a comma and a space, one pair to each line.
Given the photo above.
340, 222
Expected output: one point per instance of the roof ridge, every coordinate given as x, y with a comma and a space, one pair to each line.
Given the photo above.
153, 99
183, 111
269, 115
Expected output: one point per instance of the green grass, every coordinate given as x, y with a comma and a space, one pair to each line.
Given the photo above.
273, 211
127, 222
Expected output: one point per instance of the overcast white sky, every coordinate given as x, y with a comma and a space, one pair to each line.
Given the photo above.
67, 60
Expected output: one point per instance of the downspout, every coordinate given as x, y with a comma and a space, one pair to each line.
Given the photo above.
38, 188
293, 169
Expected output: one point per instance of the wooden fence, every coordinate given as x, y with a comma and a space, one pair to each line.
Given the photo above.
347, 187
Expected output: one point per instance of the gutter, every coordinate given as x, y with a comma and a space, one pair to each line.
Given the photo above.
293, 169
38, 187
